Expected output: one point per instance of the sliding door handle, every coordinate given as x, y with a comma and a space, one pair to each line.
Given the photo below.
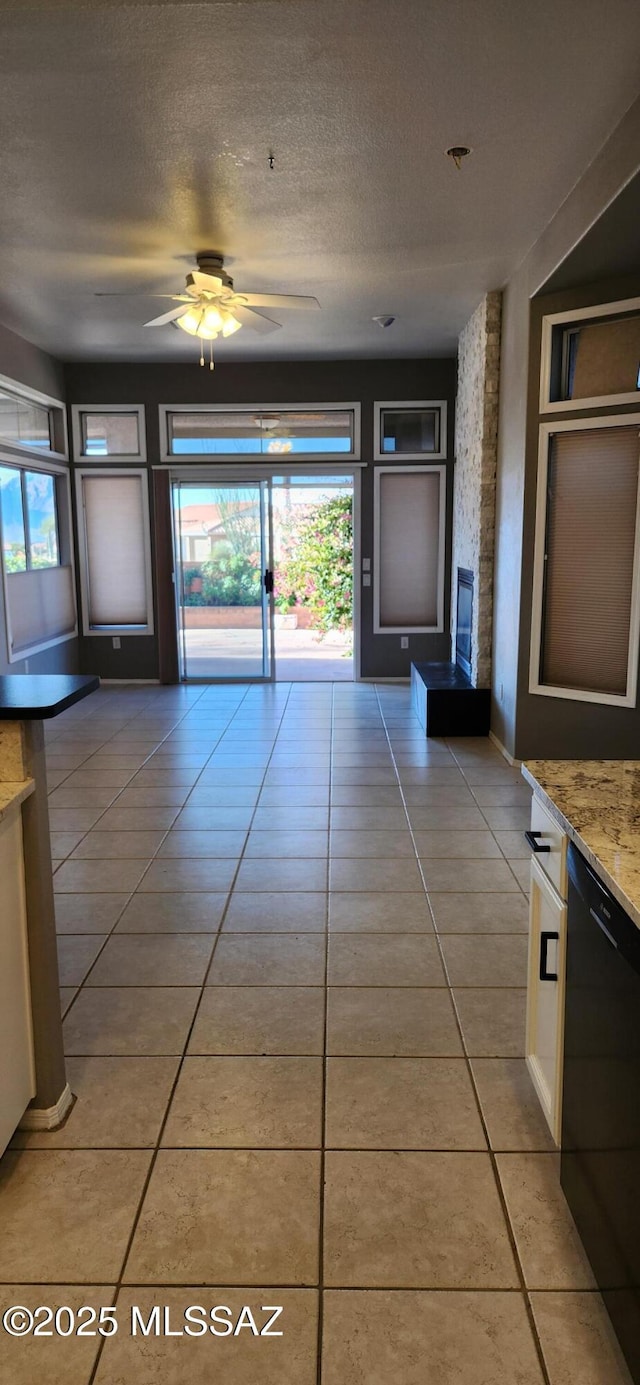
537, 846
268, 581
545, 939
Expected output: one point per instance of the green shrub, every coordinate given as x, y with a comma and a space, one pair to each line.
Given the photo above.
315, 568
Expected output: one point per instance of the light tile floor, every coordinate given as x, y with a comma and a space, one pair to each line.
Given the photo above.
293, 957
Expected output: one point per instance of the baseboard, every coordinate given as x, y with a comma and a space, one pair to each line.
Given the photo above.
48, 1117
503, 751
155, 682
407, 681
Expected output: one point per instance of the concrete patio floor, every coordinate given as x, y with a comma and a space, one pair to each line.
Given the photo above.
301, 655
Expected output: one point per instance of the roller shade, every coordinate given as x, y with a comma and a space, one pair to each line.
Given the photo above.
409, 558
592, 490
115, 526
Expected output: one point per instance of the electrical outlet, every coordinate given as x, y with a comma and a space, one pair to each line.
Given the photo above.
366, 579
116, 642
366, 565
404, 641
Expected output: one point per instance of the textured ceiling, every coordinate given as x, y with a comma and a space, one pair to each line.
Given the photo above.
134, 135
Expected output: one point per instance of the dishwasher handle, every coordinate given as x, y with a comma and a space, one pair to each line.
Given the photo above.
609, 936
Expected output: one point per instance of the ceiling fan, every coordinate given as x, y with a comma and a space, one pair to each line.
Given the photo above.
211, 307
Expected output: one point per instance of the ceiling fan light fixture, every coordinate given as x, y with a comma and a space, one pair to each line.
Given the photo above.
230, 324
190, 322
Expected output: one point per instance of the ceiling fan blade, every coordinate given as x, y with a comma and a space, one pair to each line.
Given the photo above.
257, 321
209, 283
167, 317
175, 297
279, 300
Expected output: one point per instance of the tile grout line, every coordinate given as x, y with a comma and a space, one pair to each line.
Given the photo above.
107, 809
323, 1109
154, 1149
494, 1166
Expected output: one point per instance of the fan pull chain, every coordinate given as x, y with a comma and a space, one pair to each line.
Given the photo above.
201, 351
211, 355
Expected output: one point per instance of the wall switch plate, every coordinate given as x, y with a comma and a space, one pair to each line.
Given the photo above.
366, 565
404, 641
116, 642
366, 579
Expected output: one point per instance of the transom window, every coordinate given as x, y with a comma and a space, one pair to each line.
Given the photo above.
24, 423
412, 430
313, 432
111, 430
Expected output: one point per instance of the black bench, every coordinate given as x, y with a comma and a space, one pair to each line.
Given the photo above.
446, 703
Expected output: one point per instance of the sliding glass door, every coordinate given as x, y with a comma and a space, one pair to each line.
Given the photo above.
224, 580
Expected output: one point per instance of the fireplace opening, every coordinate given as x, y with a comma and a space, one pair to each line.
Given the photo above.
464, 616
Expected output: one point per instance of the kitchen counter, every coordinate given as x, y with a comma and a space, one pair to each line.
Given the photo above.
14, 793
37, 697
33, 1083
597, 804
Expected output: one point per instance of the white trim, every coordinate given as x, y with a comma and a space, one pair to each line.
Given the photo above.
398, 470
256, 473
216, 474
48, 1117
17, 656
356, 554
553, 320
176, 459
572, 694
379, 455
48, 401
111, 630
135, 458
510, 759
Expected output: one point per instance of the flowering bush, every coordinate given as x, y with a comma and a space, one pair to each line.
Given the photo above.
315, 566
228, 579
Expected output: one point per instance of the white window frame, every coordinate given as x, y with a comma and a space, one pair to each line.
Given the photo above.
108, 631
128, 458
31, 396
547, 431
578, 315
61, 472
399, 470
379, 455
210, 459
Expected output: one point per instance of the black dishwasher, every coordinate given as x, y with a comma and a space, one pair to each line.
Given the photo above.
600, 1156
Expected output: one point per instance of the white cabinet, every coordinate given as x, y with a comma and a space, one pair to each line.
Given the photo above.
17, 1080
545, 993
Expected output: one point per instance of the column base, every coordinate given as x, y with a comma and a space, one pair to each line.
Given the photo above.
50, 1117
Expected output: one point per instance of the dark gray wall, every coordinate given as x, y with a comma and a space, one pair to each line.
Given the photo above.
548, 726
605, 180
25, 363
274, 383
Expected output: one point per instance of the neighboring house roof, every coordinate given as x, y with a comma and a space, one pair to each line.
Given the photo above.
205, 519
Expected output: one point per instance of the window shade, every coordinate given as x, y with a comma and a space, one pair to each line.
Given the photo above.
115, 532
592, 491
41, 606
409, 543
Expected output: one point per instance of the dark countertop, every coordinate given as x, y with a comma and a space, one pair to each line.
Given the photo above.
442, 676
36, 697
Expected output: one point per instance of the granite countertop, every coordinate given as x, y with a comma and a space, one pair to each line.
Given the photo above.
597, 803
11, 794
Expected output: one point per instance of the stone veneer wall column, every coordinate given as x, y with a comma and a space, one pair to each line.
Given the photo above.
474, 493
